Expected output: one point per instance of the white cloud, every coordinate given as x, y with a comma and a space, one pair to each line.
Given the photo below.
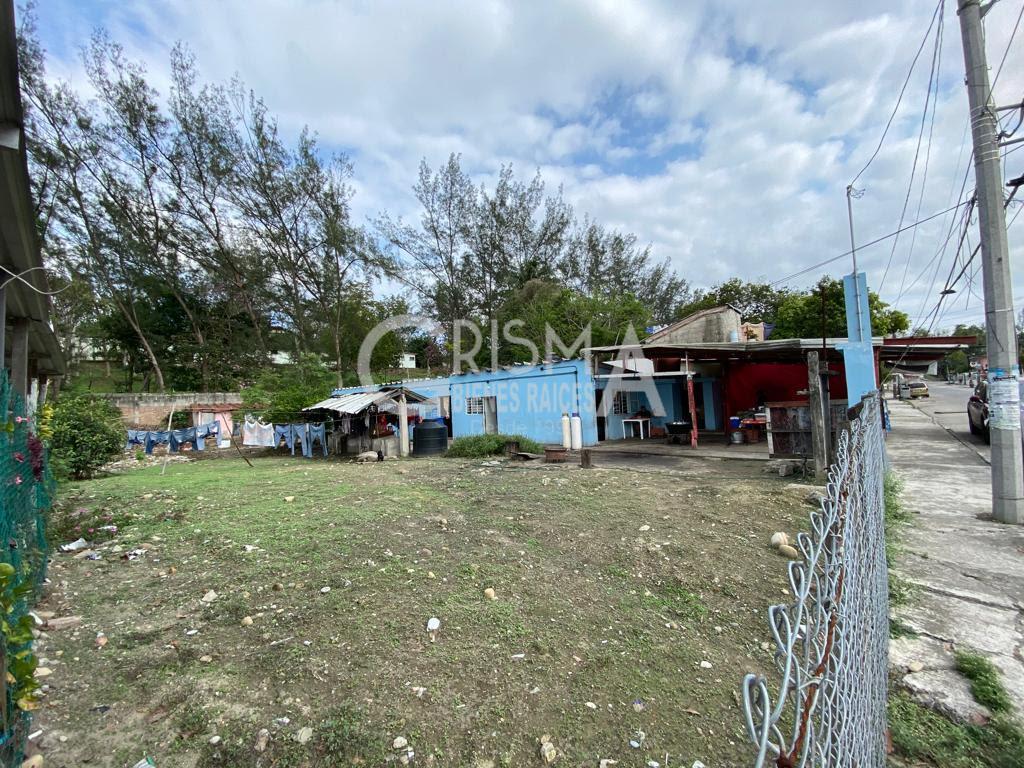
724, 134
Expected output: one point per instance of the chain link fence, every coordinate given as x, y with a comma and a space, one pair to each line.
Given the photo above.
832, 641
26, 491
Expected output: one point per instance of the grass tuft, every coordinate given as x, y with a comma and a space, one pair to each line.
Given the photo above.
923, 735
986, 687
479, 446
896, 517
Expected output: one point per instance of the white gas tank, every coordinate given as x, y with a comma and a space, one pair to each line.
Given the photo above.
576, 432
566, 431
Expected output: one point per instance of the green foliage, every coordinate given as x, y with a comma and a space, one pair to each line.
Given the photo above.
87, 433
17, 637
896, 516
920, 734
280, 394
757, 302
986, 687
540, 305
95, 523
957, 362
344, 737
799, 316
478, 446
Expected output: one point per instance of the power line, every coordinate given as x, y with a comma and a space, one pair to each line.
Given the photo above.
1009, 45
877, 240
933, 81
903, 90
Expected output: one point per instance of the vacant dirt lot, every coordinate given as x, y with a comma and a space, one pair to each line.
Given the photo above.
627, 606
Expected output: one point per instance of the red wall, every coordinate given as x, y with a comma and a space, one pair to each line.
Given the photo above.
744, 382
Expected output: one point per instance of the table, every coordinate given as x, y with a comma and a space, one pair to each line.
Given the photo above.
639, 421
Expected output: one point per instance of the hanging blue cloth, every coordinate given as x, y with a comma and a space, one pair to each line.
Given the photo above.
318, 432
287, 433
179, 437
156, 437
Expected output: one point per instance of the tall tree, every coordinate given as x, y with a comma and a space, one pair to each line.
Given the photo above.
437, 250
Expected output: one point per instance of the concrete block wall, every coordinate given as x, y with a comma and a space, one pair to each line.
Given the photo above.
152, 409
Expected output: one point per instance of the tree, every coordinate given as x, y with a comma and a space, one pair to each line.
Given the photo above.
756, 302
280, 395
437, 251
541, 305
608, 263
799, 315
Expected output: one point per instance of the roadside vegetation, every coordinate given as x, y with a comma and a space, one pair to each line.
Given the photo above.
479, 446
925, 737
921, 736
896, 518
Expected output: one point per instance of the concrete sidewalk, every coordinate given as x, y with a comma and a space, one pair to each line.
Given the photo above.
968, 570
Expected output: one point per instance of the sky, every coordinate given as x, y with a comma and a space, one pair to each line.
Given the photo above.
724, 134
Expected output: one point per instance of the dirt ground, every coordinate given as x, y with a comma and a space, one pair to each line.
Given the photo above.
628, 605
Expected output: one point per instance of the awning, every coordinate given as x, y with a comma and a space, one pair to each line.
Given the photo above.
357, 402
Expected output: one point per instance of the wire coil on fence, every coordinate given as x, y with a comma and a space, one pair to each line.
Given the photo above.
831, 642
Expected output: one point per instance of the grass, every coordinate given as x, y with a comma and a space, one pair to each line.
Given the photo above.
986, 686
923, 735
896, 518
609, 588
480, 446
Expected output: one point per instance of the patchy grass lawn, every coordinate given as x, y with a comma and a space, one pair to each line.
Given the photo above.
612, 587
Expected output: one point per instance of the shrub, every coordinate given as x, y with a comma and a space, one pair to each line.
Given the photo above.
478, 446
280, 394
87, 433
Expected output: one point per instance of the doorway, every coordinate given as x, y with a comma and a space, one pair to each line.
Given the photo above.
490, 415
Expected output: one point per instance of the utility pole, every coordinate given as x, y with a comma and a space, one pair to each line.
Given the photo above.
1003, 371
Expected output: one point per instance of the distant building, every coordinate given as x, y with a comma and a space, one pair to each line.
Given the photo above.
713, 325
407, 360
753, 332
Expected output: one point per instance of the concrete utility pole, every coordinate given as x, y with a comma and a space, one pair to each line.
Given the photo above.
1003, 371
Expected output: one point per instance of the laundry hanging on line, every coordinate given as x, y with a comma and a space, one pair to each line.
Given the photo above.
174, 438
304, 435
257, 433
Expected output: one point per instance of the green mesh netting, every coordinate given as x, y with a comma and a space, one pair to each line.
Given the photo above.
24, 497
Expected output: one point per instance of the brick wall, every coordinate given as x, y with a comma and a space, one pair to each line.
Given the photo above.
152, 410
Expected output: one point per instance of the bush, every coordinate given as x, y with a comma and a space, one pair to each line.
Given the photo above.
87, 433
280, 394
479, 446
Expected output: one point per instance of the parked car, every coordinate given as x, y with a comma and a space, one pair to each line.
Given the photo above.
918, 389
977, 409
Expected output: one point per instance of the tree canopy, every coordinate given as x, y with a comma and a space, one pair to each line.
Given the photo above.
197, 242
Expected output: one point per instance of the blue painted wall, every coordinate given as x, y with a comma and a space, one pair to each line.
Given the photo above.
530, 400
672, 393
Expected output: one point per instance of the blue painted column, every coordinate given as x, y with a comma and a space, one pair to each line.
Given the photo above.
710, 406
858, 356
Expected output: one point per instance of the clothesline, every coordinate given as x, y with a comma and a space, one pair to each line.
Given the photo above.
173, 438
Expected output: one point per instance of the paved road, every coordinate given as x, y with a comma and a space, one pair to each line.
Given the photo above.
947, 406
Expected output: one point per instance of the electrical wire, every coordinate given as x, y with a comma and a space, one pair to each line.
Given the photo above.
19, 276
876, 241
1009, 45
933, 85
903, 90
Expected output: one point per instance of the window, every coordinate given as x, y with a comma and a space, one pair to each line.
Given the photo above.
474, 405
620, 403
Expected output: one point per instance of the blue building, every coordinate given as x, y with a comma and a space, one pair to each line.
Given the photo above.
526, 400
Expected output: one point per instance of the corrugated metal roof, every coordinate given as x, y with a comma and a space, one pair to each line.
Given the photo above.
356, 402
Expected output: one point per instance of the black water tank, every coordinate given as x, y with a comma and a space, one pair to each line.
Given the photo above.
429, 439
